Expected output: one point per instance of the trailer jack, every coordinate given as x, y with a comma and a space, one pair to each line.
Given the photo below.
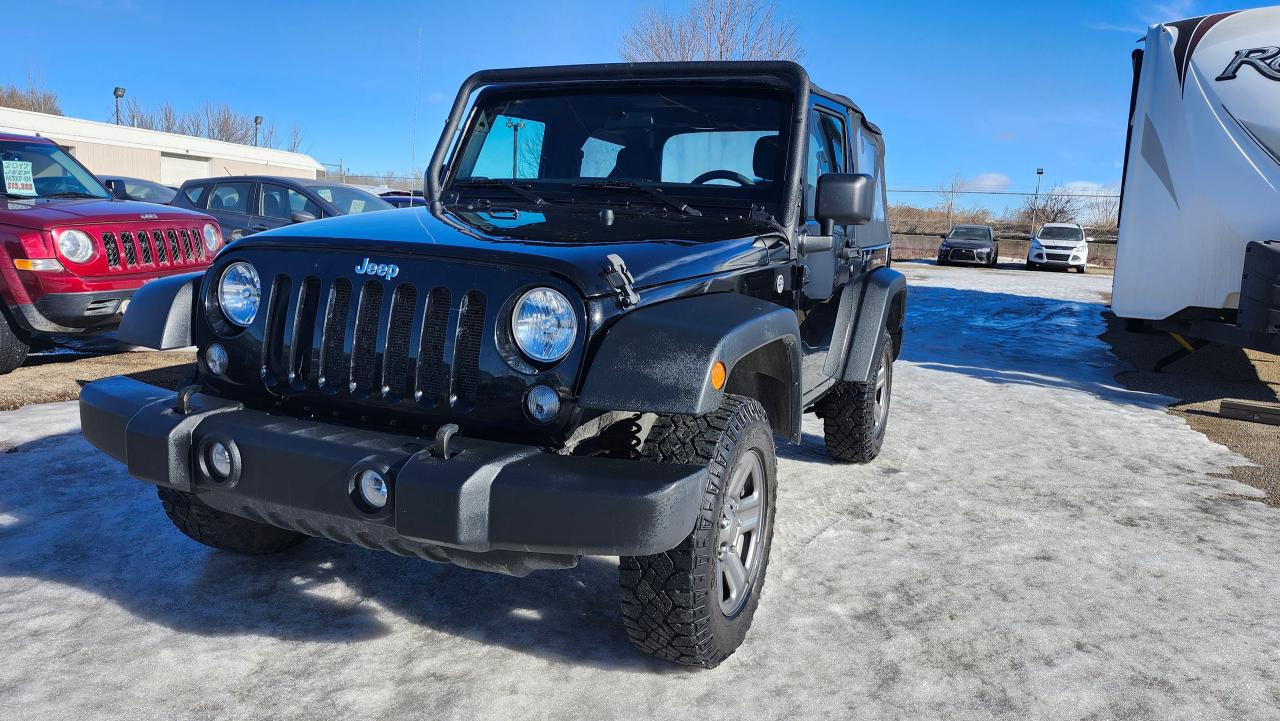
1185, 348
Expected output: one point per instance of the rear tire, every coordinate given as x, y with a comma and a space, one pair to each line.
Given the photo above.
1032, 266
222, 530
855, 415
13, 347
693, 604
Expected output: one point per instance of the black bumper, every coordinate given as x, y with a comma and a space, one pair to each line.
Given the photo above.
75, 312
490, 505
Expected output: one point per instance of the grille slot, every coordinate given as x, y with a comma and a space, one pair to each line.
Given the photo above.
162, 254
364, 345
466, 351
186, 244
335, 331
175, 252
144, 246
396, 379
433, 374
130, 250
110, 249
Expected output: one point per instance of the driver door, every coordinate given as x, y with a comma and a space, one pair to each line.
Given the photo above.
818, 300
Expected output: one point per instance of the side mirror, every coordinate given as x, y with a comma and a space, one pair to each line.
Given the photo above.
1088, 240
844, 199
117, 189
301, 216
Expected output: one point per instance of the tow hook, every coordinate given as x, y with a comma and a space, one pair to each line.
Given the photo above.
183, 405
443, 436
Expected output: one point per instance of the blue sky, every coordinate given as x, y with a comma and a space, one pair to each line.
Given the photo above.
984, 92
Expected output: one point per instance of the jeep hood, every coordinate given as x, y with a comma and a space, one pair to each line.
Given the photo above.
570, 242
45, 213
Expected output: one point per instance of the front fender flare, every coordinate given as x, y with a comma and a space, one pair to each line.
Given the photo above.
160, 314
658, 359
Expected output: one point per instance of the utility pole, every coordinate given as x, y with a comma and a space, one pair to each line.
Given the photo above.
1035, 204
119, 93
515, 145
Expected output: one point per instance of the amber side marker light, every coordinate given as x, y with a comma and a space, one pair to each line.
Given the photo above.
718, 374
37, 264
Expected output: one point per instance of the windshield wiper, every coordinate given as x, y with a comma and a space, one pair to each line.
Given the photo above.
520, 190
607, 185
70, 194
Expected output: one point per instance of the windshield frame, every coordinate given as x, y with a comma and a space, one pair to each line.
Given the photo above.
68, 161
1078, 233
985, 233
708, 194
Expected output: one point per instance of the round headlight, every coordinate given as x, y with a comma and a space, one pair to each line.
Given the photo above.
76, 246
211, 237
239, 292
543, 325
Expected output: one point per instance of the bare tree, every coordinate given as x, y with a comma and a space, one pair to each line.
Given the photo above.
1058, 205
33, 97
213, 121
1102, 212
713, 30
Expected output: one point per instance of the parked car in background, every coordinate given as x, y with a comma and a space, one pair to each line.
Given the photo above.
146, 191
403, 198
974, 244
247, 204
71, 255
1059, 245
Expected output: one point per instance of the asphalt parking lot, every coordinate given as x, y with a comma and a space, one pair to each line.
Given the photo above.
1035, 541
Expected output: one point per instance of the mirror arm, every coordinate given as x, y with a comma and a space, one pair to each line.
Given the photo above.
815, 243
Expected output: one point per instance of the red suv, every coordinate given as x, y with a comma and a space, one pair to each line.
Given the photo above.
71, 255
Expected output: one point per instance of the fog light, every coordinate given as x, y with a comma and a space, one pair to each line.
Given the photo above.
219, 457
215, 359
373, 488
543, 403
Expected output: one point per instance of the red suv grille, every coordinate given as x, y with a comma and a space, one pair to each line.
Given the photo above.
153, 248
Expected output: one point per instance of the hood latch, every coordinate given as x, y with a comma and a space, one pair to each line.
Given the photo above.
619, 278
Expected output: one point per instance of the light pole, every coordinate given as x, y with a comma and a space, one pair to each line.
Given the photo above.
515, 145
119, 93
1035, 204
257, 123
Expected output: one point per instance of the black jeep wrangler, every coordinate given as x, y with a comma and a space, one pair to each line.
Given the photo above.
627, 281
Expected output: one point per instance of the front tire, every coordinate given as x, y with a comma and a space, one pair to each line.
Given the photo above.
222, 530
694, 603
13, 346
855, 415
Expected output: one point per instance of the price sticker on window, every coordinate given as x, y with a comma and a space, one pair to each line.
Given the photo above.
18, 179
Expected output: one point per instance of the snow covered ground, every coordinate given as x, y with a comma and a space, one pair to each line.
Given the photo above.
1034, 542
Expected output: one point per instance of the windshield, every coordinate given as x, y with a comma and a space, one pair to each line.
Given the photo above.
42, 170
349, 200
1060, 233
707, 146
148, 191
969, 234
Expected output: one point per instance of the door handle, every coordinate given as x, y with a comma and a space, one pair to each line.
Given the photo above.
259, 226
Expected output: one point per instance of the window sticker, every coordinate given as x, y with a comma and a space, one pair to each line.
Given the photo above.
18, 179
357, 206
325, 193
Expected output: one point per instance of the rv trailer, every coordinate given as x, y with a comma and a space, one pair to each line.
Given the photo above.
1200, 204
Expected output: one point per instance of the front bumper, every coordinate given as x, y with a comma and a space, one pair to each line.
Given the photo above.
1061, 258
980, 256
75, 312
495, 506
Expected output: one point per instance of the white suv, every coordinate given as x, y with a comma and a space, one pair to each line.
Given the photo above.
1059, 245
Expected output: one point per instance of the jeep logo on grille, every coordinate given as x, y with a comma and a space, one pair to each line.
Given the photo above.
382, 270
149, 216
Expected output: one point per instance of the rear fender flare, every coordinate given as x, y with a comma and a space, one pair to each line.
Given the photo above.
658, 359
869, 305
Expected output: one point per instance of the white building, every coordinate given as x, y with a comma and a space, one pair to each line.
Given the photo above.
168, 158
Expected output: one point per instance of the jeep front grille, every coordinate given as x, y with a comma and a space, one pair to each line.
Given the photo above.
372, 341
151, 248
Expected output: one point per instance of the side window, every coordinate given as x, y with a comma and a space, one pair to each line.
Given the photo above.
230, 197
194, 192
826, 153
281, 202
598, 158
869, 163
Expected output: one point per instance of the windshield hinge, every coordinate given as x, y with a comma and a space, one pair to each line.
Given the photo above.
759, 213
619, 278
